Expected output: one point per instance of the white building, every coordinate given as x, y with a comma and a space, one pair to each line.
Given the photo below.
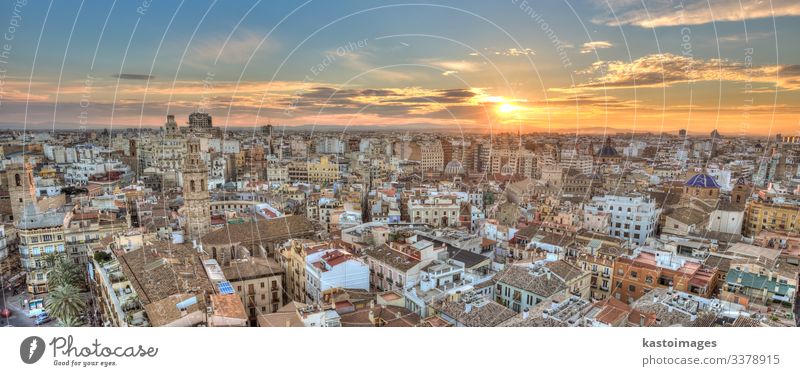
334, 268
330, 145
726, 219
437, 211
632, 218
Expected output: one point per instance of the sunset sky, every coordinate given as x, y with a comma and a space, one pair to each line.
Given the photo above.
555, 65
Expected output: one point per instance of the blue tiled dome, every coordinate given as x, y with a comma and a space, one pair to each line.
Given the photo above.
702, 181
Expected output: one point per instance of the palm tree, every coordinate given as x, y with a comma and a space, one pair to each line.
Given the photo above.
70, 322
62, 272
65, 303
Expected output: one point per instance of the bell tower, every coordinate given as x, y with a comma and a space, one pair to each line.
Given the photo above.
195, 192
21, 188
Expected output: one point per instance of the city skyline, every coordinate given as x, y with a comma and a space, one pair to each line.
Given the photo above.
515, 66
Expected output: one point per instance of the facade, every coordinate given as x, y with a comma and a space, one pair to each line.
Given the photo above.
431, 156
765, 214
640, 273
437, 211
259, 283
200, 120
331, 269
519, 288
322, 172
41, 235
631, 218
397, 266
600, 263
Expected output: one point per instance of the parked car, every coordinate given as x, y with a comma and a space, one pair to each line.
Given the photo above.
42, 319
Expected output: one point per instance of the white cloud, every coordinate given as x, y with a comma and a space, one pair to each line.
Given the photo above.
237, 49
589, 47
660, 13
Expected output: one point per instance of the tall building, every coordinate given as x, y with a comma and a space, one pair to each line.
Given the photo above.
40, 235
195, 192
199, 120
21, 188
171, 149
632, 218
432, 156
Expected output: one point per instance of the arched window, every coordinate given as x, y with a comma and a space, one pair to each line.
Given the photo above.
17, 180
191, 185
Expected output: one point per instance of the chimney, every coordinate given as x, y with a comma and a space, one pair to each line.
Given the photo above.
545, 314
468, 308
547, 273
655, 299
372, 317
525, 313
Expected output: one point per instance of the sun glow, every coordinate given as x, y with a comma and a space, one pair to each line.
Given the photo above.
506, 108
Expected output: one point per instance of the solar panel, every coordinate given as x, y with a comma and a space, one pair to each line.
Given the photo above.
225, 287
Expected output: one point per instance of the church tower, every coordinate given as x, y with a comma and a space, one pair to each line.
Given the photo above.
21, 188
195, 192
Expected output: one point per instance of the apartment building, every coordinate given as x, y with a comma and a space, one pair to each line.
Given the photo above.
40, 235
259, 283
331, 268
633, 218
519, 288
637, 274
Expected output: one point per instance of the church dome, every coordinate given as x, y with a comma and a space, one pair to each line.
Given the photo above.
507, 170
607, 150
702, 181
454, 167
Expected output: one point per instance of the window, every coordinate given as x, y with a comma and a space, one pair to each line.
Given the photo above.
631, 288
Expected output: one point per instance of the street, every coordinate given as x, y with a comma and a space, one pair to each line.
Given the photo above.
18, 317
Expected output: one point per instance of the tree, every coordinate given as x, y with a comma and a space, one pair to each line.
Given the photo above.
70, 322
62, 272
101, 257
65, 303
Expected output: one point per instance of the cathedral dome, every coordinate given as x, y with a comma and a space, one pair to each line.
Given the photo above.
702, 181
454, 167
507, 169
